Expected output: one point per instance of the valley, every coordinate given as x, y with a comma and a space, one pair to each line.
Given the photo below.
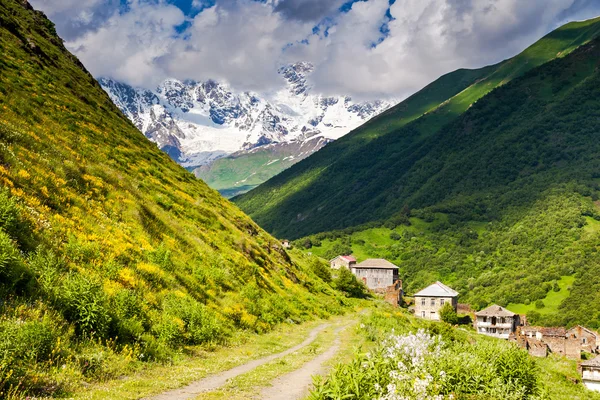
125, 276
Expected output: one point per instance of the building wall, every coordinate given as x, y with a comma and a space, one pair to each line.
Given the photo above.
336, 263
587, 341
555, 343
591, 378
428, 307
592, 385
537, 349
374, 278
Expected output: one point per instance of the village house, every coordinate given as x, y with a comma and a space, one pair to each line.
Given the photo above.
590, 373
430, 300
588, 339
539, 341
342, 261
496, 321
376, 273
286, 244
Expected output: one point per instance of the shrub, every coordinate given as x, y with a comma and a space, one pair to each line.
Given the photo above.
84, 303
322, 270
448, 314
539, 304
13, 274
185, 320
346, 282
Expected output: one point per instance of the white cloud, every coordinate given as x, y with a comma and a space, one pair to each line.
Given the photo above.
238, 41
244, 41
127, 45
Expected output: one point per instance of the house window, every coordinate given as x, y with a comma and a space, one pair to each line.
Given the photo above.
584, 340
422, 314
442, 301
501, 320
423, 302
432, 302
484, 319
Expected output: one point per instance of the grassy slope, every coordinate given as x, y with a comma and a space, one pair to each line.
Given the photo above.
239, 173
110, 253
359, 171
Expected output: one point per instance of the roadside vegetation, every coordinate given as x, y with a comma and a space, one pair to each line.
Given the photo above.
416, 359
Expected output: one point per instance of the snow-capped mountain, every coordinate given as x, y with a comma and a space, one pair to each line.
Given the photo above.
199, 122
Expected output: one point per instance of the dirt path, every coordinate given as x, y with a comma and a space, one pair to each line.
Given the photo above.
216, 381
296, 384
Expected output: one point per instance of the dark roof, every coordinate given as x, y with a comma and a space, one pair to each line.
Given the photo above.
376, 263
495, 311
595, 362
438, 289
545, 331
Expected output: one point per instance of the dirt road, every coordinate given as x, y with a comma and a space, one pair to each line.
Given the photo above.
216, 381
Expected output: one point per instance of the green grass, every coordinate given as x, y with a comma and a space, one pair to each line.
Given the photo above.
243, 171
551, 302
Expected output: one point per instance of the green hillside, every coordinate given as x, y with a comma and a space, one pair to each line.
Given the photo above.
240, 172
352, 181
501, 203
111, 255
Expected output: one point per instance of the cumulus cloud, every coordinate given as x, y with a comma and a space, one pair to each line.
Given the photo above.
307, 10
370, 49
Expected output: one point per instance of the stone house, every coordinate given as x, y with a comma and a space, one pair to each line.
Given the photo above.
588, 339
286, 244
342, 261
496, 321
556, 340
376, 273
590, 373
430, 300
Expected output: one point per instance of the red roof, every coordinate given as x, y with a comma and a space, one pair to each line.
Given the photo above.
348, 258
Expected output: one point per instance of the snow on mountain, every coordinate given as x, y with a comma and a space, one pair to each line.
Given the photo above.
199, 122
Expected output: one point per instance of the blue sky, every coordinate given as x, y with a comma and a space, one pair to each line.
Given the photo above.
364, 48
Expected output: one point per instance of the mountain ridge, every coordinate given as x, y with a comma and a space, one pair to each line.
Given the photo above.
315, 194
198, 122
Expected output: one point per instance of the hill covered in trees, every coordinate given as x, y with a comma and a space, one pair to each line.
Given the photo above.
110, 253
498, 200
410, 154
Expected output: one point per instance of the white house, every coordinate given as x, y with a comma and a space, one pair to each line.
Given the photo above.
496, 321
430, 300
590, 372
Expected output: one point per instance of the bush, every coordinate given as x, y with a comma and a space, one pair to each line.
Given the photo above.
448, 314
539, 304
322, 270
84, 303
187, 321
346, 282
13, 274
